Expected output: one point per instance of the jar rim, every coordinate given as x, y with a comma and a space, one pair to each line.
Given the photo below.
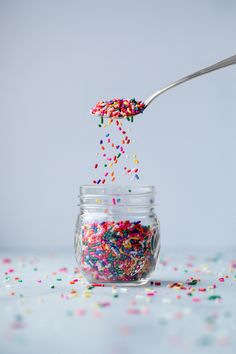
116, 189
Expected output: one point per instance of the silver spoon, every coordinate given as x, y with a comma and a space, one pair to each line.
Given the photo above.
221, 64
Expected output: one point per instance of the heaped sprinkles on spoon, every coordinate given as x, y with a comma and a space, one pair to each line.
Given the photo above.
118, 108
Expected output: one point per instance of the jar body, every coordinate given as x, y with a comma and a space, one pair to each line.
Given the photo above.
117, 242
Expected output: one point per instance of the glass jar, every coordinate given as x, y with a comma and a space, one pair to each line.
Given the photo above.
117, 238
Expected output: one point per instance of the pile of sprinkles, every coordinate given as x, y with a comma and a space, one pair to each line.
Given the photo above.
120, 251
118, 108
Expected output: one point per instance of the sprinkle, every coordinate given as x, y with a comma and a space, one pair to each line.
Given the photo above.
156, 283
113, 201
214, 297
96, 165
192, 282
133, 311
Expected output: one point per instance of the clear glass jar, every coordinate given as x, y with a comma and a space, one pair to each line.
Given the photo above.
117, 238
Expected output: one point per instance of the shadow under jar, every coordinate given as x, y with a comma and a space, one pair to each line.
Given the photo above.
117, 238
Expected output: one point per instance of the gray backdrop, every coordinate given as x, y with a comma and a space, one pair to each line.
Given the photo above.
59, 57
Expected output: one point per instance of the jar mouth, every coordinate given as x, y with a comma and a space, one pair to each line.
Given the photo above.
117, 196
121, 190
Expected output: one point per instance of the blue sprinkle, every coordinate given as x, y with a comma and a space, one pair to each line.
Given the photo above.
107, 135
136, 176
101, 141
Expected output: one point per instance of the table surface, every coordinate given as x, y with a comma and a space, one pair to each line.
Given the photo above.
46, 306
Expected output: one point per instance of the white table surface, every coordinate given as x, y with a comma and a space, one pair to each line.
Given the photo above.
37, 318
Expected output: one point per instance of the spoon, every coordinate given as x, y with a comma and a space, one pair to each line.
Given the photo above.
122, 108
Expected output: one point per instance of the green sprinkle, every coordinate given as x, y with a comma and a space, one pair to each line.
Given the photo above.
59, 279
128, 119
105, 165
102, 120
129, 190
69, 313
52, 286
99, 125
132, 119
119, 155
115, 295
193, 282
214, 297
20, 281
90, 287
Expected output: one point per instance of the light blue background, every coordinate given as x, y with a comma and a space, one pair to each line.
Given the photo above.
59, 57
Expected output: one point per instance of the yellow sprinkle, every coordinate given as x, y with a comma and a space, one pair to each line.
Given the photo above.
136, 161
98, 201
110, 164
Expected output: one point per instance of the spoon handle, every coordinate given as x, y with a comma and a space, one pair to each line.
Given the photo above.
219, 65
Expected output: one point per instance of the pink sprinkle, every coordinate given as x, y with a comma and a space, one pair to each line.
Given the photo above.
133, 311
11, 270
202, 289
80, 312
222, 279
104, 304
63, 269
6, 260
113, 201
196, 299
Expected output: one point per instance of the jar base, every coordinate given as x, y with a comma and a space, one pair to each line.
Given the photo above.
124, 283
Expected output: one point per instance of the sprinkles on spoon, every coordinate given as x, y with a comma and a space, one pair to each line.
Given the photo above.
118, 108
